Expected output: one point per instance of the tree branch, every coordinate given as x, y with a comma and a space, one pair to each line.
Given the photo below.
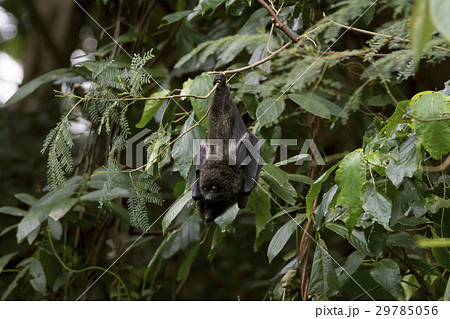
278, 22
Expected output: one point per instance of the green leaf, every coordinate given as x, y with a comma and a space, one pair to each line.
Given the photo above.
173, 17
201, 86
377, 205
404, 163
324, 282
269, 110
316, 105
286, 191
376, 238
435, 203
401, 239
315, 189
26, 198
351, 265
13, 284
322, 209
38, 281
31, 86
295, 158
280, 239
387, 273
4, 260
434, 135
421, 28
447, 292
13, 211
350, 178
356, 238
185, 265
227, 218
300, 178
151, 107
210, 4
277, 174
259, 204
218, 236
439, 12
182, 151
175, 209
442, 256
395, 118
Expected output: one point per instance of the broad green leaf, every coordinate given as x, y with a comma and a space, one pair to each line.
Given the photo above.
280, 239
356, 238
186, 147
434, 135
351, 265
32, 85
175, 209
38, 281
435, 203
322, 209
395, 118
201, 86
286, 191
300, 178
269, 110
186, 88
13, 284
316, 105
442, 256
13, 211
8, 229
173, 17
401, 239
350, 178
218, 236
56, 229
439, 12
387, 273
421, 28
275, 173
151, 107
324, 282
210, 4
299, 157
377, 205
259, 204
185, 265
315, 189
404, 163
376, 237
447, 292
4, 260
26, 198
228, 217
100, 194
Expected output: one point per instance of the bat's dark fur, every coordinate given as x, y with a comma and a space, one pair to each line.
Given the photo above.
219, 184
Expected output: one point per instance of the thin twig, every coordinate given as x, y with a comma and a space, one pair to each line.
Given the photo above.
439, 168
378, 34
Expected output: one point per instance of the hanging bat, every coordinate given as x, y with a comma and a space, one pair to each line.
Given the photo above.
229, 161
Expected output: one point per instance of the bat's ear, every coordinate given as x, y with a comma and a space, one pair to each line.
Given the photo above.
220, 78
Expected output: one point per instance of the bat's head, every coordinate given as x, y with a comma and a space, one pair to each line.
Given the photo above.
221, 79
